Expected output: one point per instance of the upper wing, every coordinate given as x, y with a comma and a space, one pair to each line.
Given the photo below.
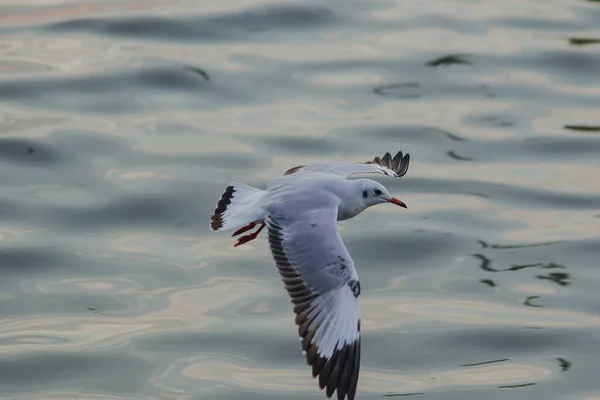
321, 280
395, 167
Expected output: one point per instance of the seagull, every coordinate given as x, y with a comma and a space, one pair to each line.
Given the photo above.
300, 210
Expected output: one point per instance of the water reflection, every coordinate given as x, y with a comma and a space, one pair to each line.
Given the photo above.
455, 156
97, 310
565, 365
583, 128
529, 299
449, 60
502, 374
485, 362
560, 278
414, 90
121, 121
487, 245
485, 263
550, 265
408, 90
583, 41
199, 71
517, 386
534, 301
259, 19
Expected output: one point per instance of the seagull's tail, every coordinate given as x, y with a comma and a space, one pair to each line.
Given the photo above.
239, 206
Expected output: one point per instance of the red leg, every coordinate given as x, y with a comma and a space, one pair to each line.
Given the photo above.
244, 229
249, 237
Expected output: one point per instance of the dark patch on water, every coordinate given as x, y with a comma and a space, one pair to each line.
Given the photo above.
449, 60
583, 41
202, 27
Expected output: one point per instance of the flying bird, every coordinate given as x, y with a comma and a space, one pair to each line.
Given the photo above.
300, 210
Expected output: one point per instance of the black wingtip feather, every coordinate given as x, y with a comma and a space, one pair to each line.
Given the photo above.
216, 220
354, 379
318, 366
338, 367
403, 168
340, 371
346, 375
398, 164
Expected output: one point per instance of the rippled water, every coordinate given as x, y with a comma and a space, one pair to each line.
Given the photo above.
122, 121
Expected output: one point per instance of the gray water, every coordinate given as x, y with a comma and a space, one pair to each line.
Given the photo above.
121, 122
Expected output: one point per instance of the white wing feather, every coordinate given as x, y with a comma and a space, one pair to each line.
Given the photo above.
386, 165
322, 282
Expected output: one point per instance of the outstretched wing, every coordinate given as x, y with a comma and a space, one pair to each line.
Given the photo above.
323, 285
395, 166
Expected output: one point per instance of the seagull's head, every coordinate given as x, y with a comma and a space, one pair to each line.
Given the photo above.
374, 193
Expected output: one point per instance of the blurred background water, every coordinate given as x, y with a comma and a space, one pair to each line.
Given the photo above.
122, 121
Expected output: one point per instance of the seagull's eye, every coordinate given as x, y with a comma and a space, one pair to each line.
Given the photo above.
376, 192
365, 194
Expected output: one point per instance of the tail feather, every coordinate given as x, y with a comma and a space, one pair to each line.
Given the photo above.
235, 208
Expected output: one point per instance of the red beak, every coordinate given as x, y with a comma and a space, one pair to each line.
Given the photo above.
397, 202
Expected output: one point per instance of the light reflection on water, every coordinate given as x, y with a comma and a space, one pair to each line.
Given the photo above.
121, 122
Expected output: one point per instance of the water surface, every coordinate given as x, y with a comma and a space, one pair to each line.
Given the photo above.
122, 121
